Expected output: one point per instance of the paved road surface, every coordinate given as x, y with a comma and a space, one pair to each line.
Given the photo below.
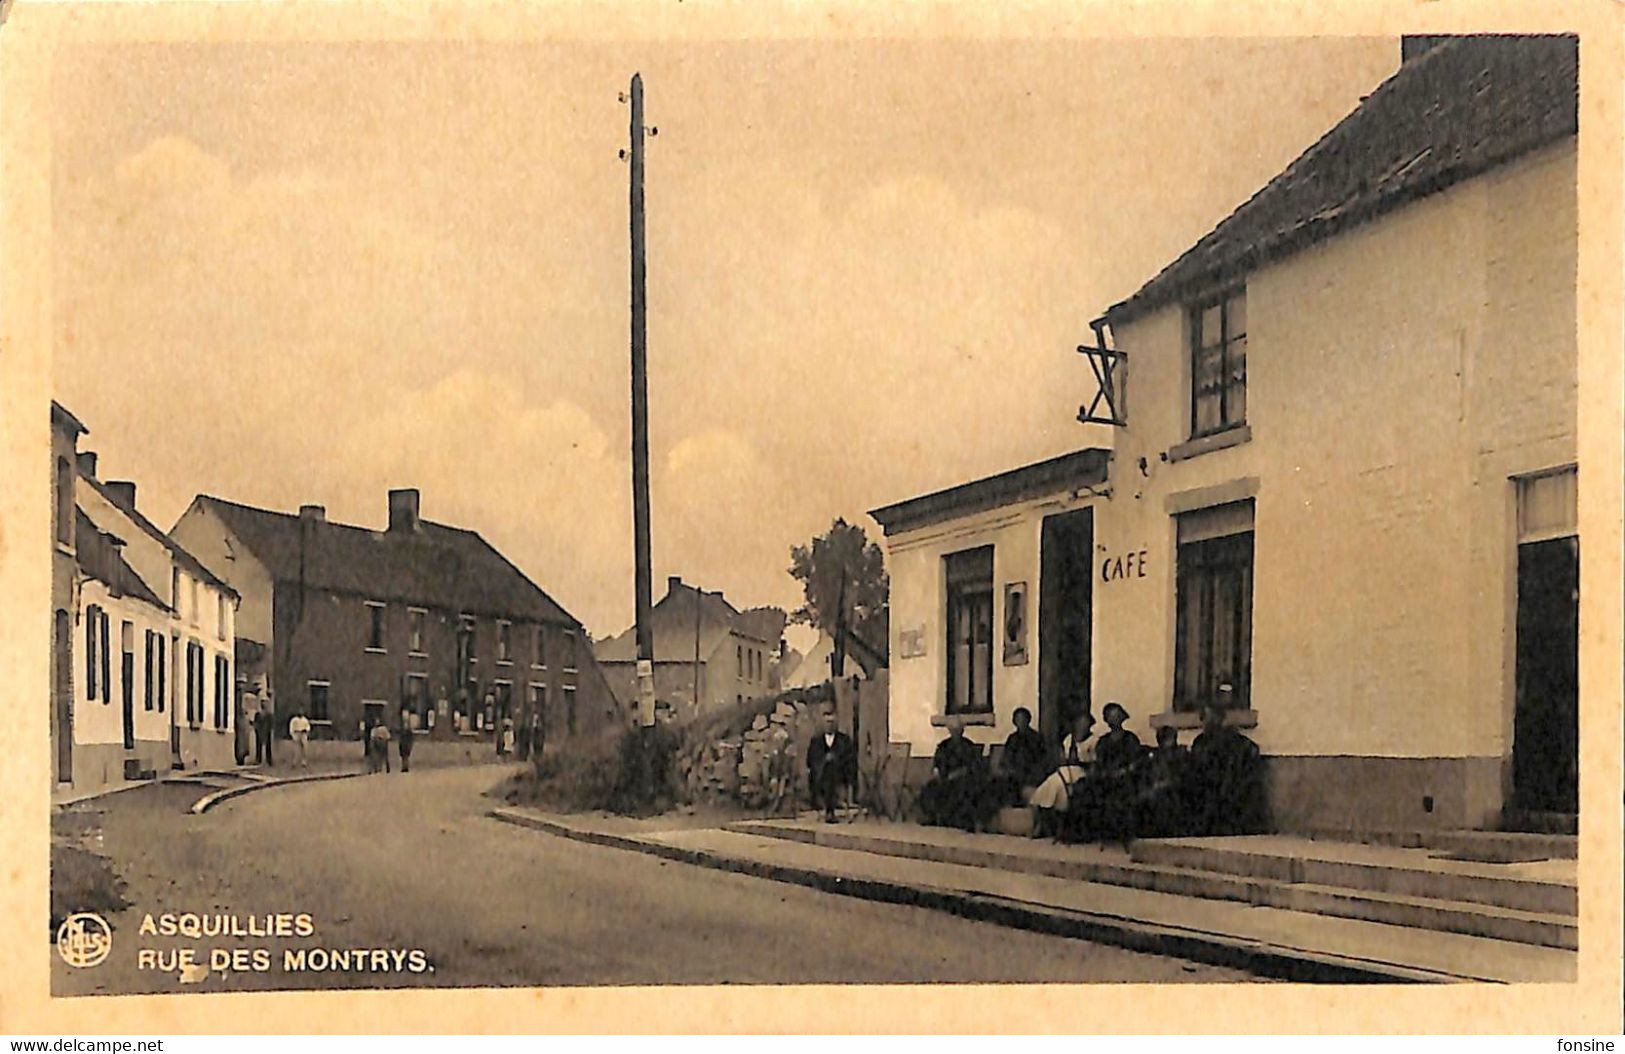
411, 861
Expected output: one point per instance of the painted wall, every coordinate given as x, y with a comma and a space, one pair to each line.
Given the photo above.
203, 534
914, 560
1397, 376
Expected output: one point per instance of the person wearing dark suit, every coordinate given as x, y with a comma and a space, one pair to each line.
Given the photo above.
832, 763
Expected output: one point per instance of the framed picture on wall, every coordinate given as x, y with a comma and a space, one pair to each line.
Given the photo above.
1015, 623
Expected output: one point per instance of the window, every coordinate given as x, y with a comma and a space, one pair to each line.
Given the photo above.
538, 700
416, 700
197, 599
1218, 343
220, 615
504, 642
93, 632
569, 651
570, 709
222, 692
739, 659
414, 630
146, 699
175, 591
970, 631
1213, 588
375, 626
318, 700
540, 661
194, 683
126, 668
64, 501
162, 676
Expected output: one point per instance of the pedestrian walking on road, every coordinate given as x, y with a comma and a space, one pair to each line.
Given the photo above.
262, 734
406, 743
299, 731
380, 747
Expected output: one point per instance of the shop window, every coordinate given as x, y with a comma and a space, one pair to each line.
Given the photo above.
1214, 601
970, 631
1218, 354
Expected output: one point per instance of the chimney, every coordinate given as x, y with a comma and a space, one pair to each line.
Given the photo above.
87, 464
673, 584
403, 510
123, 492
312, 514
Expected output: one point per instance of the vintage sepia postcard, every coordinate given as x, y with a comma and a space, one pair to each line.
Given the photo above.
550, 514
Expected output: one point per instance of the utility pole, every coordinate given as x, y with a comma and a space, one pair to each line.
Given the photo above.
640, 425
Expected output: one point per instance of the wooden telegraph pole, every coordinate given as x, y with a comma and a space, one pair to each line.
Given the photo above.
640, 425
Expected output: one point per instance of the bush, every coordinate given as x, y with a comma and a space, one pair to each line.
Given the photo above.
603, 773
82, 881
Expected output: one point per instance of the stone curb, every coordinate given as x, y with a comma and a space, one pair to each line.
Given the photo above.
209, 801
1284, 963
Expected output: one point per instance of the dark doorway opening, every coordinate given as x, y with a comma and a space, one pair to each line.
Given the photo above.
1065, 623
64, 698
1546, 722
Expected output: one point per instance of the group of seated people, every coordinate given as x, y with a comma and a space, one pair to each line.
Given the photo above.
1105, 787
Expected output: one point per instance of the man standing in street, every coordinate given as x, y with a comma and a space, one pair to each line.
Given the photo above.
406, 742
832, 763
299, 732
263, 733
379, 739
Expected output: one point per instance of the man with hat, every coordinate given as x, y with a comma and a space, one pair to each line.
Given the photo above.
1226, 774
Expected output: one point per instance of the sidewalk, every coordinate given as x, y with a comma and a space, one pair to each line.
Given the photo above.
1056, 889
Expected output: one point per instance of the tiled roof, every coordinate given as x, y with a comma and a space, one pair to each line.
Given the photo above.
674, 627
188, 562
99, 558
1452, 113
437, 566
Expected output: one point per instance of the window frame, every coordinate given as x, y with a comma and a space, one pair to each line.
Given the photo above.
377, 631
539, 658
417, 627
1203, 569
310, 701
504, 642
571, 657
1223, 299
961, 590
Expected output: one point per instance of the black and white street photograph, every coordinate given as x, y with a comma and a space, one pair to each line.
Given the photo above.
581, 510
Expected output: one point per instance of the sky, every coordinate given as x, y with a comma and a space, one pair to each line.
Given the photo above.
310, 272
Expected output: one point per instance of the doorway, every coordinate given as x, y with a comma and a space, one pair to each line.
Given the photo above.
64, 698
1546, 722
1065, 620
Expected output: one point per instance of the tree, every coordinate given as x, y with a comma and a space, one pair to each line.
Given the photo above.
844, 554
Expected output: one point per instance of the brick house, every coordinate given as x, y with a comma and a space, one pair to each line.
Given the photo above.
1343, 484
420, 622
705, 649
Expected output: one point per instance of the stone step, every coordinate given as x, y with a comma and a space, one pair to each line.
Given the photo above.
1532, 822
1342, 867
1488, 846
1547, 929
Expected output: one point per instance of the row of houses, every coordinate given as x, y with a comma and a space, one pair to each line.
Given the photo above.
1341, 481
166, 643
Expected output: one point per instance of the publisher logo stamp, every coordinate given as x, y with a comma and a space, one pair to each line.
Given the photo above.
84, 940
